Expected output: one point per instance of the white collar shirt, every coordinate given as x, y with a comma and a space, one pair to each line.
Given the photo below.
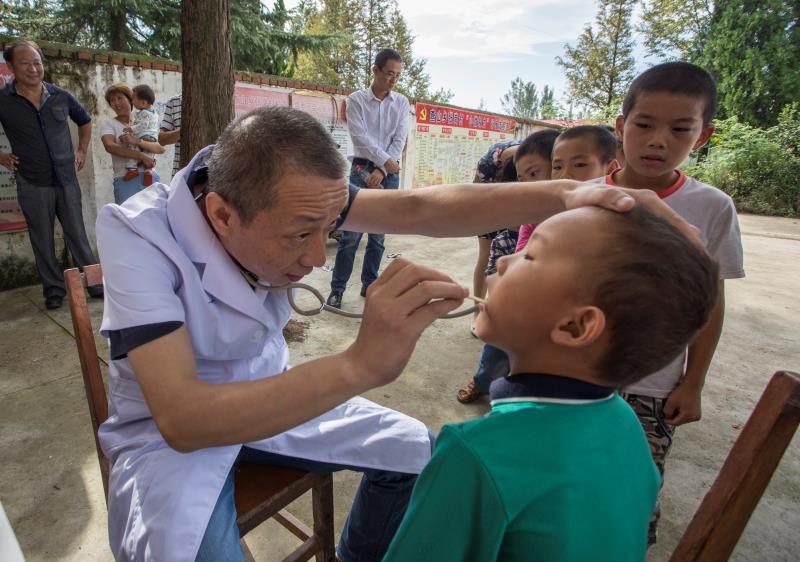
378, 127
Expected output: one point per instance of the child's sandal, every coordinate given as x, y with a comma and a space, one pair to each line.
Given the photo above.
468, 394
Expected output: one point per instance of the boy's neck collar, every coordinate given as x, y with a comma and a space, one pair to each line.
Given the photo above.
540, 387
611, 179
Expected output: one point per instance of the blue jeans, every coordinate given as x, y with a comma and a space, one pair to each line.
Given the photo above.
378, 509
493, 365
348, 243
124, 189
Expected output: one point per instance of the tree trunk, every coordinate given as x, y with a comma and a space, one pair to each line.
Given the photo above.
116, 30
207, 58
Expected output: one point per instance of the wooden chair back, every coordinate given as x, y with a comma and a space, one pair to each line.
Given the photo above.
76, 283
724, 512
261, 491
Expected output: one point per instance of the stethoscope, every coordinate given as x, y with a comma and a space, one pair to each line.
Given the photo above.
201, 176
322, 304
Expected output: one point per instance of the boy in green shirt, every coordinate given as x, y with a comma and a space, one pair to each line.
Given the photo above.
560, 469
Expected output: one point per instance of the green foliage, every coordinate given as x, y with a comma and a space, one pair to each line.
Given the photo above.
522, 100
548, 107
363, 27
113, 24
674, 29
759, 168
262, 40
787, 131
753, 50
601, 65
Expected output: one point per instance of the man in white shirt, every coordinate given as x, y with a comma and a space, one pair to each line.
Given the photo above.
377, 118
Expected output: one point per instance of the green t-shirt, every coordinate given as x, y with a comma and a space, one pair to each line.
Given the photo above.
534, 480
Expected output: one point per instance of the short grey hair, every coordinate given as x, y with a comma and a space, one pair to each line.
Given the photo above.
257, 149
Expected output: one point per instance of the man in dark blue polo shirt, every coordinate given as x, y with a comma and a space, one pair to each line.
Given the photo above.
34, 116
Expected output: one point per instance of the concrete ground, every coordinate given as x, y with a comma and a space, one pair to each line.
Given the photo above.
50, 482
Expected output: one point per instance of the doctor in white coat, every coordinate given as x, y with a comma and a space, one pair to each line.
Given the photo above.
199, 375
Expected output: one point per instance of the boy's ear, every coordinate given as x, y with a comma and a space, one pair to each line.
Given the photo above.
704, 136
612, 166
619, 127
581, 329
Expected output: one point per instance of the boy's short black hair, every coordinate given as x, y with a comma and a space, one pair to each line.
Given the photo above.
675, 78
605, 143
507, 172
540, 143
656, 289
145, 93
385, 55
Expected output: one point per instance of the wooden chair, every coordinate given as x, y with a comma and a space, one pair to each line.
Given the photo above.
724, 512
261, 491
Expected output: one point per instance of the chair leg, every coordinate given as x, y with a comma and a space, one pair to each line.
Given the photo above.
322, 502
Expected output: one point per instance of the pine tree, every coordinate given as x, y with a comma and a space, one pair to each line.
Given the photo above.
339, 64
371, 30
363, 27
548, 108
521, 100
675, 29
263, 40
601, 65
207, 105
753, 50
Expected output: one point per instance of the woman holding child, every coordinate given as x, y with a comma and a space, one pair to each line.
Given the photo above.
118, 139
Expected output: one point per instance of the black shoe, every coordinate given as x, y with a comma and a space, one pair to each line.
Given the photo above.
364, 290
53, 302
335, 299
95, 291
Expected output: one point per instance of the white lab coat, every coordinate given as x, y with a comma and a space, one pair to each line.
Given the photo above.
162, 263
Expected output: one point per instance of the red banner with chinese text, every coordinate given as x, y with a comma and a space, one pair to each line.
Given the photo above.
447, 116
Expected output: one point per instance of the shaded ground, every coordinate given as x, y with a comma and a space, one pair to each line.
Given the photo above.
50, 483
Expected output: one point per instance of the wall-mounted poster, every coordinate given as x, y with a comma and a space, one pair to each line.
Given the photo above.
449, 142
246, 99
329, 110
11, 218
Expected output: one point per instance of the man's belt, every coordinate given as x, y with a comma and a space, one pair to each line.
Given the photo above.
363, 162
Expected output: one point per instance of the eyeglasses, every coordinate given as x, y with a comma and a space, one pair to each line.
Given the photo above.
391, 74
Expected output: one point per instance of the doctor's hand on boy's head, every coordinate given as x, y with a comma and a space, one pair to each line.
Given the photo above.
622, 199
586, 194
656, 205
401, 303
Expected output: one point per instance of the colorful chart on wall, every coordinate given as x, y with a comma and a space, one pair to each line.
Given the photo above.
11, 218
449, 142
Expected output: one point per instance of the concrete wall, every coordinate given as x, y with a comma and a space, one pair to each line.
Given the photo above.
88, 74
87, 82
